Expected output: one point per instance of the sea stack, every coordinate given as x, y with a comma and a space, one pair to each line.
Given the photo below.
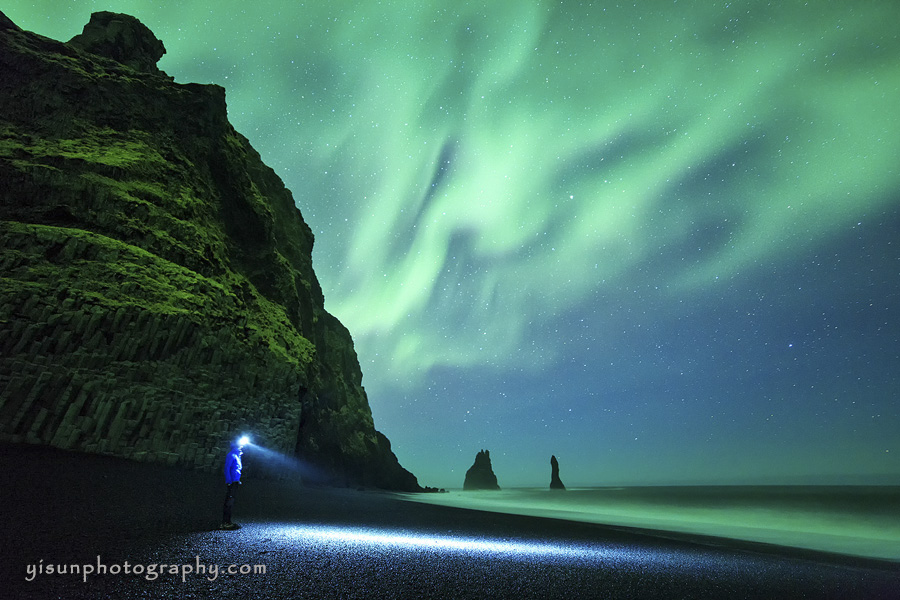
480, 475
555, 482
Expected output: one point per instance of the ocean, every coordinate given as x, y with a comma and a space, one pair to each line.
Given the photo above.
859, 521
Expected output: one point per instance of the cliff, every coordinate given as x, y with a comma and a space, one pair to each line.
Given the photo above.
158, 296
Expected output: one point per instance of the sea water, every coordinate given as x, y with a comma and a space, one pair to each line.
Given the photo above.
852, 520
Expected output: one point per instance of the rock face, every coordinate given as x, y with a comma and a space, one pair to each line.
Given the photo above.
121, 38
157, 293
480, 475
555, 482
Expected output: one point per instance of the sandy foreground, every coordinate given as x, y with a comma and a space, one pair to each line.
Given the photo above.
112, 524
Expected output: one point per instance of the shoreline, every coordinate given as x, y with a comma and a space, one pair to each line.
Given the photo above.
810, 521
75, 507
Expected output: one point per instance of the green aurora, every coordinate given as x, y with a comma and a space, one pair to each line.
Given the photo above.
658, 241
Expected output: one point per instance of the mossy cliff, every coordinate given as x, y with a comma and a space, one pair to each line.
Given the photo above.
157, 295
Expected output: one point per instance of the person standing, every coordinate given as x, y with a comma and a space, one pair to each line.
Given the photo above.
233, 468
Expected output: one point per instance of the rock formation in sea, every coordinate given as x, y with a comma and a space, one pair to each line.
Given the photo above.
158, 296
555, 482
480, 475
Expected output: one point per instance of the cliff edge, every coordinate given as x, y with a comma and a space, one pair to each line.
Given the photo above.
158, 296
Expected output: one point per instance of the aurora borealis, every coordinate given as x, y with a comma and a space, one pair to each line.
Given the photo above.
658, 241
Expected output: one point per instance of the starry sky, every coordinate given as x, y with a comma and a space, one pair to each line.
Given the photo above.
658, 240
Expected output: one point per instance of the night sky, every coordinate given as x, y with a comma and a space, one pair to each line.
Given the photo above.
658, 240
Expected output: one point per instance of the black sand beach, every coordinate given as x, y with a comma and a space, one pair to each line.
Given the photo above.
70, 509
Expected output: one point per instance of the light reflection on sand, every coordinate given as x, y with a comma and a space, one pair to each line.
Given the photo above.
388, 538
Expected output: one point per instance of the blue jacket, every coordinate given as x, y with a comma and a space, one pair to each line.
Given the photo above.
233, 465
